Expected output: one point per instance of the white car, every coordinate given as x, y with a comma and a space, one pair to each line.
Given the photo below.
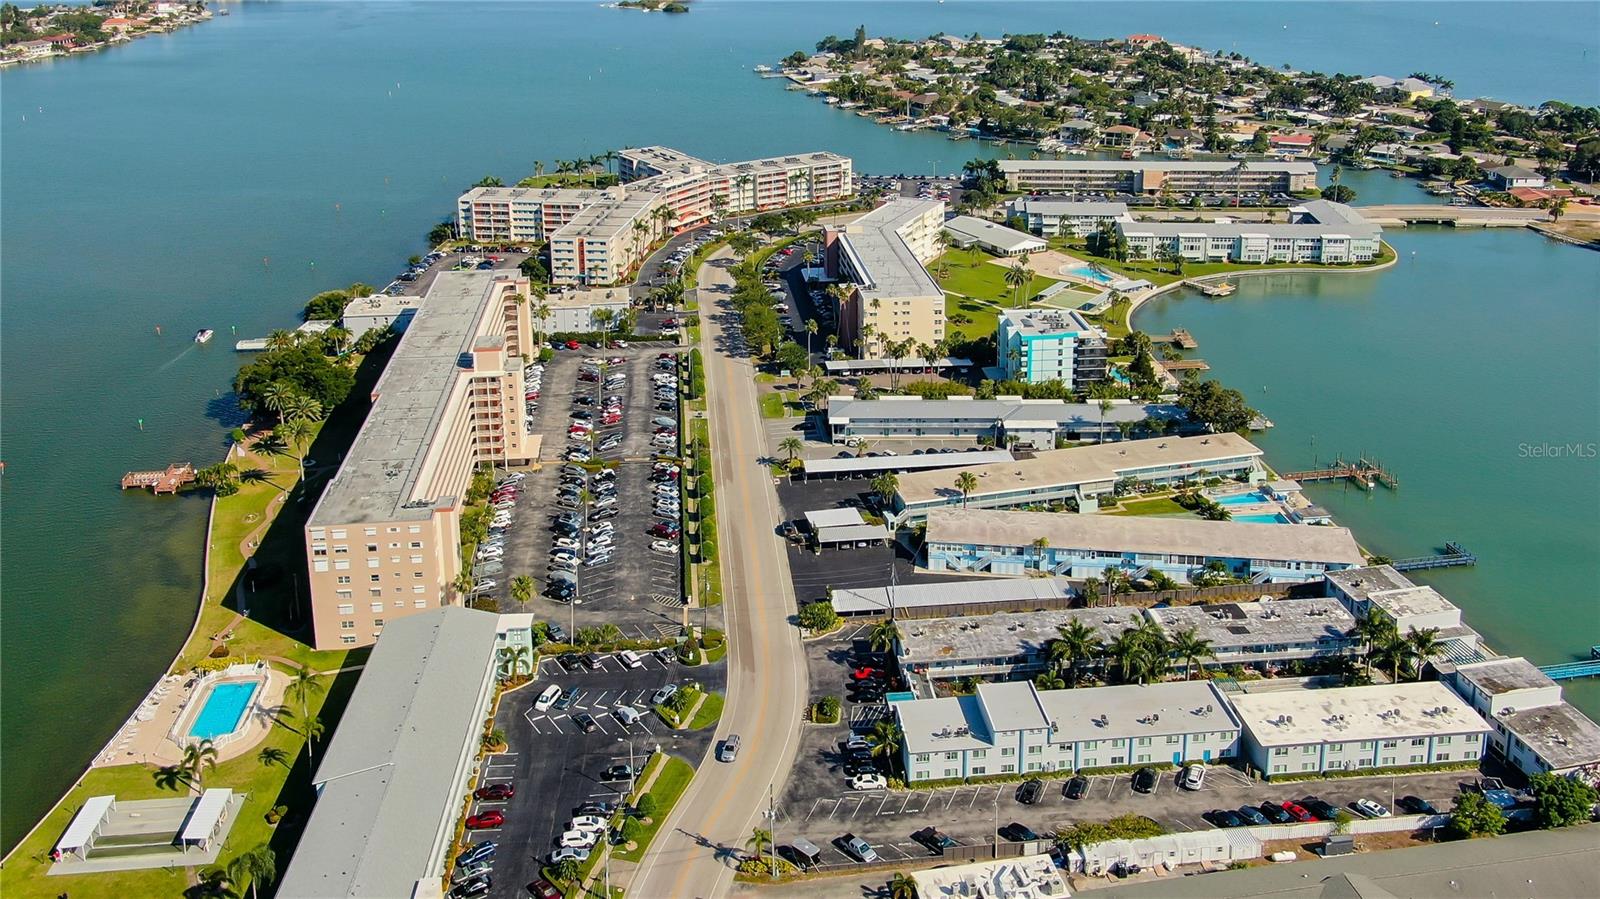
1371, 809
630, 658
547, 698
566, 543
580, 839
605, 501
587, 822
664, 546
868, 782
574, 853
595, 561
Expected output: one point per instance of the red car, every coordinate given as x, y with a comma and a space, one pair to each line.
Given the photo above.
1299, 812
663, 530
495, 791
573, 344
485, 820
863, 673
787, 251
543, 889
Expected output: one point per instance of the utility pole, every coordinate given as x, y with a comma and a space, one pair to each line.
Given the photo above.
772, 844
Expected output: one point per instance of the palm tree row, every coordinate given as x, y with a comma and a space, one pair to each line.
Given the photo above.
1400, 653
1141, 654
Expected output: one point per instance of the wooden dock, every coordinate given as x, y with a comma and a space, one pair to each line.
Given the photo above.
1454, 555
1180, 338
1184, 365
1363, 472
170, 480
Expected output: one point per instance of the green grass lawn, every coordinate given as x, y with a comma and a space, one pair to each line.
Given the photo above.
1161, 505
983, 317
268, 785
667, 789
778, 403
710, 709
982, 279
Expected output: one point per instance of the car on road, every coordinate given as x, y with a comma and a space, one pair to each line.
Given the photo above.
1253, 815
936, 840
1018, 833
861, 849
1076, 788
872, 781
1193, 777
485, 820
495, 791
1416, 805
728, 749
617, 772
1031, 791
663, 694
569, 853
1370, 808
586, 722
1144, 780
1300, 813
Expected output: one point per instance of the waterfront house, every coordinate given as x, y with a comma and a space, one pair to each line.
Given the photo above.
1506, 177
36, 49
1004, 420
1124, 136
1318, 231
1291, 144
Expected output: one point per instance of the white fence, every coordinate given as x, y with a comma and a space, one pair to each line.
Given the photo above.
179, 733
1316, 829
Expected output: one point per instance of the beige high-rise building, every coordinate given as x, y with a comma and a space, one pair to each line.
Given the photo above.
883, 257
384, 539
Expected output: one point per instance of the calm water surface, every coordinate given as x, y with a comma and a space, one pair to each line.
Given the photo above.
219, 176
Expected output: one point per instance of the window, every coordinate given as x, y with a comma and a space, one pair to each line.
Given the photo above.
1441, 757
419, 588
979, 753
1008, 769
1279, 769
373, 562
1442, 741
372, 547
922, 757
377, 607
415, 529
343, 579
370, 532
416, 544
1144, 741
377, 622
952, 772
345, 594
337, 533
347, 609
420, 604
1172, 740
951, 756
341, 550
1119, 760
347, 625
347, 638
978, 771
1008, 750
1280, 750
417, 575
373, 578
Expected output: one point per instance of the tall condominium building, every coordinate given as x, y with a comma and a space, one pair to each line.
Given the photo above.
1318, 231
597, 236
1153, 176
882, 257
384, 539
1037, 345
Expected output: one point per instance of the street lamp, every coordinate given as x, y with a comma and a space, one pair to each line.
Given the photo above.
632, 775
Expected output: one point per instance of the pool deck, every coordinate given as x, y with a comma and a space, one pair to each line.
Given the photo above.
145, 742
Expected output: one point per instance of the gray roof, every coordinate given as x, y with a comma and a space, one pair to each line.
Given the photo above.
1563, 736
1551, 863
1360, 583
1152, 165
1499, 676
949, 723
1315, 218
991, 233
1002, 634
1039, 322
1514, 171
833, 518
1353, 714
378, 478
1408, 602
905, 462
855, 601
887, 261
1234, 624
1068, 208
1067, 415
388, 778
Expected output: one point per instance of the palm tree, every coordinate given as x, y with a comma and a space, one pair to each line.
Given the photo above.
257, 866
294, 432
302, 686
1077, 644
886, 485
1424, 645
522, 589
513, 659
338, 336
1395, 651
811, 330
1371, 628
885, 738
541, 314
281, 339
198, 758
760, 841
275, 396
902, 886
1016, 277
1190, 648
567, 870
314, 729
272, 755
792, 445
883, 635
966, 482
303, 408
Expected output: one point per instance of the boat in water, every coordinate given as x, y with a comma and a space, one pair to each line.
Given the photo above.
203, 335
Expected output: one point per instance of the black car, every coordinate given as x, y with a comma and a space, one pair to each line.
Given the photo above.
1253, 815
473, 888
569, 661
1031, 791
1076, 788
1416, 805
617, 772
1018, 833
586, 722
561, 592
1276, 813
852, 768
936, 841
592, 661
603, 514
1224, 818
603, 809
1144, 780
557, 633
1322, 810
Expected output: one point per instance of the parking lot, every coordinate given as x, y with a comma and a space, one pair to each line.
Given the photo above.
813, 573
556, 767
637, 588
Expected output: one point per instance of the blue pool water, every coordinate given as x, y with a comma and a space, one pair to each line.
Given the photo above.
224, 707
1243, 499
1264, 518
1090, 274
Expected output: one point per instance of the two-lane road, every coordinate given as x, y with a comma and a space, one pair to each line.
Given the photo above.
696, 851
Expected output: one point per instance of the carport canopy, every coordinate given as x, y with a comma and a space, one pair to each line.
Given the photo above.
851, 533
85, 825
205, 816
821, 519
905, 462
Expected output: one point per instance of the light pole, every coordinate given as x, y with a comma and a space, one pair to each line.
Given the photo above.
633, 776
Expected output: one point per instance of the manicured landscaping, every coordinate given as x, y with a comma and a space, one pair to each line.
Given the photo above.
981, 318
710, 711
982, 278
1161, 505
672, 779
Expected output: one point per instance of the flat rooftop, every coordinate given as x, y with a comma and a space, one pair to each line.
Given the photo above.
844, 410
886, 260
1346, 714
1499, 676
905, 462
608, 217
1003, 634
1081, 465
865, 600
1563, 736
946, 723
1153, 165
1135, 710
378, 479
991, 233
1069, 208
780, 163
1360, 583
1033, 876
1051, 322
574, 195
1252, 624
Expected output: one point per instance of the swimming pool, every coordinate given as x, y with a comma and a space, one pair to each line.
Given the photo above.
1089, 273
1243, 499
225, 705
1266, 518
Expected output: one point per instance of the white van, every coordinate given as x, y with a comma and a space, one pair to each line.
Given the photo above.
547, 698
628, 715
630, 658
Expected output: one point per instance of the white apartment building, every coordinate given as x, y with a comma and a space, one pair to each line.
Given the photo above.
1318, 232
882, 256
1015, 728
603, 242
520, 214
1533, 728
1057, 217
1264, 633
1137, 176
1037, 345
1294, 732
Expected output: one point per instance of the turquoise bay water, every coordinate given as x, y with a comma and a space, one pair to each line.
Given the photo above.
219, 176
225, 705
